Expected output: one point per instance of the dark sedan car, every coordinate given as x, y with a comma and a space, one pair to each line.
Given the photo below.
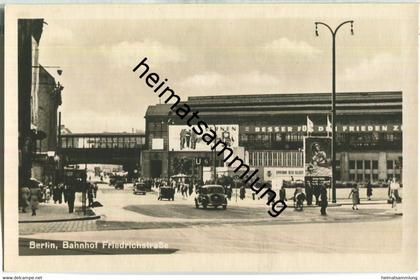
211, 195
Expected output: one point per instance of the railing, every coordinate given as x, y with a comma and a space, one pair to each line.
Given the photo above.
102, 142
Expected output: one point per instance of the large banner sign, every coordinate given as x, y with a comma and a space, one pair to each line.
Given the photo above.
317, 157
359, 128
183, 138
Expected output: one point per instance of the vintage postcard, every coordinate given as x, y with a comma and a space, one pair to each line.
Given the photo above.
211, 138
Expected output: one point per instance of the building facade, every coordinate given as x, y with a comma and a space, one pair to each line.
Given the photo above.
39, 97
269, 131
48, 100
29, 35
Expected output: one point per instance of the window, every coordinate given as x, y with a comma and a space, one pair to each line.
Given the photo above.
351, 164
265, 159
340, 138
275, 159
278, 137
359, 177
300, 160
352, 177
389, 137
374, 164
115, 142
367, 164
397, 136
120, 142
103, 142
374, 177
359, 164
270, 159
389, 164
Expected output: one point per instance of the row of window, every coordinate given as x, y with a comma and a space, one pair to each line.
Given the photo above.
341, 137
373, 177
367, 170
102, 142
272, 137
274, 158
363, 164
372, 164
284, 141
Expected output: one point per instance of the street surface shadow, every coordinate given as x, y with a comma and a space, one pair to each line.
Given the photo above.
190, 212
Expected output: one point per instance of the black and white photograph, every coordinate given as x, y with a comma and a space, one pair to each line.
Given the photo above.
211, 138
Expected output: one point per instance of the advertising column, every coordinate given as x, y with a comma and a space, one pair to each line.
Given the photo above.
318, 169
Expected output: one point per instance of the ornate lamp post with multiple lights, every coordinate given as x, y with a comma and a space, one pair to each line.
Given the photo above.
333, 95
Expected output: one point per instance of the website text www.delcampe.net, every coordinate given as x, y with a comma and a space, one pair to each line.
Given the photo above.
208, 135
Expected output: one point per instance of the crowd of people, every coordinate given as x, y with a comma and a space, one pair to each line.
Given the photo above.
37, 192
316, 194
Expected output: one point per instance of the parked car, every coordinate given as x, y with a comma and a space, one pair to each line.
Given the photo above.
166, 192
139, 188
211, 195
119, 184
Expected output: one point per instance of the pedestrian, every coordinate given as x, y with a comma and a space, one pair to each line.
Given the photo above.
183, 190
316, 191
354, 194
308, 191
242, 192
369, 190
48, 193
95, 190
90, 194
271, 197
229, 191
191, 188
35, 196
324, 202
299, 197
25, 194
393, 199
71, 196
282, 193
65, 192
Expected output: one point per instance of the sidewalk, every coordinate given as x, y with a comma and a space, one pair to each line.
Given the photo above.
50, 212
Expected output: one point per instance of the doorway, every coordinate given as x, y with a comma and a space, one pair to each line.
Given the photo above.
156, 168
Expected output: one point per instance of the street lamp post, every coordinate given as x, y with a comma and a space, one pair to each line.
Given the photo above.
214, 160
333, 96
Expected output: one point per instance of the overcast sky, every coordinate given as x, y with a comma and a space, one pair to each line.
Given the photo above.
218, 56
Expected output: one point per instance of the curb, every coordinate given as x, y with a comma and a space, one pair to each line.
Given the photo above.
346, 203
62, 220
91, 217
